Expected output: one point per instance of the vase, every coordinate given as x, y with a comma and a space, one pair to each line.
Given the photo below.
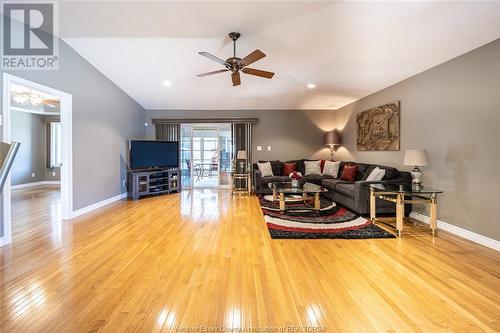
295, 182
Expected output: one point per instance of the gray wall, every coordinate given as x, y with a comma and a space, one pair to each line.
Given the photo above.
453, 110
104, 117
292, 134
29, 129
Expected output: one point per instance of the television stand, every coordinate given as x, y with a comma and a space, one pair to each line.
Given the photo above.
153, 181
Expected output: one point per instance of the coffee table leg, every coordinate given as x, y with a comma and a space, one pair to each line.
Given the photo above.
282, 202
433, 215
317, 202
373, 208
400, 212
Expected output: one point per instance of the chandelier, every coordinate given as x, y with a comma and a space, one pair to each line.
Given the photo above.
29, 99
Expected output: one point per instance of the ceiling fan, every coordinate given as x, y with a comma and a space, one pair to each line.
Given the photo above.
235, 64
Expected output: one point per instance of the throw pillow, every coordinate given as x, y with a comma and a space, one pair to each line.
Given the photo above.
349, 173
265, 169
331, 169
323, 165
289, 167
376, 174
276, 166
312, 167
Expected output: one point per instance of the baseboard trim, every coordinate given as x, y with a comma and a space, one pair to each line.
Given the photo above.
97, 205
34, 184
472, 236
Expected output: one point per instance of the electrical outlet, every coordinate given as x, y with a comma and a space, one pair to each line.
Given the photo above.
53, 174
259, 148
124, 184
268, 148
33, 175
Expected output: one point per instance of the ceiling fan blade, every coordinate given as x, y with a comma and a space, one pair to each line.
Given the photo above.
212, 73
235, 76
214, 58
258, 72
252, 57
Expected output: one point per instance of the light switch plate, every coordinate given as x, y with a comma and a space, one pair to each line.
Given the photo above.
32, 175
268, 148
259, 148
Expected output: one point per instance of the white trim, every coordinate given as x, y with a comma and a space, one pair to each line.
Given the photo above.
34, 184
66, 106
472, 236
42, 113
98, 205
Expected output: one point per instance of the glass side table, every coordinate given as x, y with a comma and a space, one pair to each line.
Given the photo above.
241, 183
398, 194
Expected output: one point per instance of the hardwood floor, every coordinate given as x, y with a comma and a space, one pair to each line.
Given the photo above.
204, 259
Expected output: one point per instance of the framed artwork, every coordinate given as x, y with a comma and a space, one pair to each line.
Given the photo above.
378, 129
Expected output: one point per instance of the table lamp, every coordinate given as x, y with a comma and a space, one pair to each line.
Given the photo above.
242, 157
332, 139
416, 158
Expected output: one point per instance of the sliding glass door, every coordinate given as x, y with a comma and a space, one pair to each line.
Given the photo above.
206, 151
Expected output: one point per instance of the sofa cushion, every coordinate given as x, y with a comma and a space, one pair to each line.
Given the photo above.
265, 169
390, 172
376, 175
278, 179
362, 168
330, 184
277, 167
300, 167
331, 169
312, 167
289, 167
312, 178
345, 189
349, 173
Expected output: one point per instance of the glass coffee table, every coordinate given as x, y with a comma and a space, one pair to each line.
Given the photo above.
307, 190
399, 194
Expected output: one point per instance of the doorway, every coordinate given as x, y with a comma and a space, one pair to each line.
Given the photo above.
206, 151
40, 117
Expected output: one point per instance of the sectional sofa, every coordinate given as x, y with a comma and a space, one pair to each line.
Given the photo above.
353, 195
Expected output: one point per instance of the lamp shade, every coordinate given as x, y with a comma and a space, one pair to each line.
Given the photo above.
332, 138
242, 155
416, 157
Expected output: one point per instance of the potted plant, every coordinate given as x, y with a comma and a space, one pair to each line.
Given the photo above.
295, 177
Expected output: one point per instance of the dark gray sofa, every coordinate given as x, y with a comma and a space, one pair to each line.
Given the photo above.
353, 195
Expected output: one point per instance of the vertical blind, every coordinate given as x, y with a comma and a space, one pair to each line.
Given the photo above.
242, 139
168, 132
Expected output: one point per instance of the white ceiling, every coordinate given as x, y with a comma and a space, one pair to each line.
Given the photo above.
348, 49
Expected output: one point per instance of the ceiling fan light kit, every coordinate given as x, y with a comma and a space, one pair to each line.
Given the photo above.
235, 64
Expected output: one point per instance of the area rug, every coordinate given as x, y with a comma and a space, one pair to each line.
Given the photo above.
332, 221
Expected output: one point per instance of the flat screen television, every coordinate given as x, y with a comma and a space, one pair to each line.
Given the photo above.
146, 154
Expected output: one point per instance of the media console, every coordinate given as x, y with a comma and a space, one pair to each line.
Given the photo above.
147, 182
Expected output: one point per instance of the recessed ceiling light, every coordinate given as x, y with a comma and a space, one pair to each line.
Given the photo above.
167, 83
311, 86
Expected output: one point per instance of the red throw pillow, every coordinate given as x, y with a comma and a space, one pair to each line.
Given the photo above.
349, 173
289, 167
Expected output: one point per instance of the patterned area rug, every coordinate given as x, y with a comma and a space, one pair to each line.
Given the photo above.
333, 221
